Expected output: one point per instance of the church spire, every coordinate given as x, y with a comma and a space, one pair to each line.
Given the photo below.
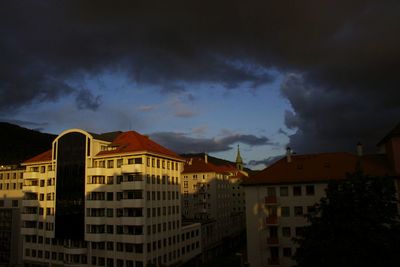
239, 160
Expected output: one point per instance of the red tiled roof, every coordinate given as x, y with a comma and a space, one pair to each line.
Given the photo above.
134, 142
45, 156
395, 132
318, 168
197, 164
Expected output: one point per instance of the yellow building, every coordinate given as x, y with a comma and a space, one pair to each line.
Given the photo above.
212, 195
11, 182
105, 200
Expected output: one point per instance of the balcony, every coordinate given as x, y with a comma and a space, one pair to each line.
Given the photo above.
132, 203
271, 220
271, 200
95, 220
29, 217
28, 231
134, 239
273, 241
31, 175
132, 220
95, 171
95, 237
131, 168
132, 185
273, 262
30, 203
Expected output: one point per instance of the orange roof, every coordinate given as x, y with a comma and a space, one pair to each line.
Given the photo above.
45, 156
133, 142
199, 165
318, 168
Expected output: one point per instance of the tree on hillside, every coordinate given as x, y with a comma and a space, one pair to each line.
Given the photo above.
356, 224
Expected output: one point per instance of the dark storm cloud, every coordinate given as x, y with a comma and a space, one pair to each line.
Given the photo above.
182, 143
347, 50
335, 120
86, 100
265, 162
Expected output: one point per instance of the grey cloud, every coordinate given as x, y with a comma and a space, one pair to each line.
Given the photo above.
346, 54
334, 119
265, 162
86, 100
182, 143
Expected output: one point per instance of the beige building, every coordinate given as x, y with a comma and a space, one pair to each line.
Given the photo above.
278, 197
105, 200
11, 181
212, 195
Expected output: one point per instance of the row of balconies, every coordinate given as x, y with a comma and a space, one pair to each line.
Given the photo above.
124, 238
38, 175
126, 168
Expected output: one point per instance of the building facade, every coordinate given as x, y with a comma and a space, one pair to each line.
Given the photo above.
105, 200
278, 197
213, 196
11, 182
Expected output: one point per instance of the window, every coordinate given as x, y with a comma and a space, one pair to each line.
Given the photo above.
296, 190
310, 209
287, 252
286, 232
298, 211
110, 163
271, 191
284, 191
110, 213
185, 184
285, 211
119, 163
299, 231
310, 190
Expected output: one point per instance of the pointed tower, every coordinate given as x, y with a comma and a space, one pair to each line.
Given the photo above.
239, 160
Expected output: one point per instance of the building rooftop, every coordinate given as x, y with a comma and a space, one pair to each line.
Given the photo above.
123, 142
42, 157
198, 164
395, 132
132, 141
320, 168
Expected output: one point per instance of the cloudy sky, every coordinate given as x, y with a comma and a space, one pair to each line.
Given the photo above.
204, 76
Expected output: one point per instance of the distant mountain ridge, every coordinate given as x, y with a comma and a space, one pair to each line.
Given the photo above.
19, 144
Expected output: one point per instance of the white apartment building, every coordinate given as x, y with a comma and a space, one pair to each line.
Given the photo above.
105, 200
278, 197
11, 181
212, 195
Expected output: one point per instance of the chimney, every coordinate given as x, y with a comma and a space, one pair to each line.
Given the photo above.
359, 149
190, 161
205, 158
288, 154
